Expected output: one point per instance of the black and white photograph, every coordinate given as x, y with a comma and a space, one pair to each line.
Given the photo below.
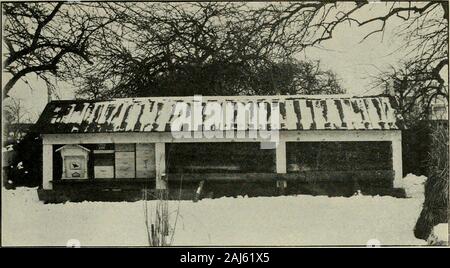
225, 124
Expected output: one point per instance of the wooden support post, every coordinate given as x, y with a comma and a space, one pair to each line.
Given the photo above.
47, 166
281, 165
281, 157
160, 162
397, 164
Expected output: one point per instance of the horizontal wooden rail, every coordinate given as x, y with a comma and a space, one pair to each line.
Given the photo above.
306, 176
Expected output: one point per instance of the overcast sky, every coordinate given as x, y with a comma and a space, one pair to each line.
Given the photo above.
353, 61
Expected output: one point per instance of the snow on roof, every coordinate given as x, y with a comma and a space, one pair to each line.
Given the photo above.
156, 114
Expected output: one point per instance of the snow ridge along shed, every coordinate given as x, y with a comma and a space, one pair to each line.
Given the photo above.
155, 114
319, 138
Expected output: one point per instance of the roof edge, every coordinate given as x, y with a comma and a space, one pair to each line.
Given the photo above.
230, 97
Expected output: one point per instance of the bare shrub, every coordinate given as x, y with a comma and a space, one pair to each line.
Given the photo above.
157, 218
436, 187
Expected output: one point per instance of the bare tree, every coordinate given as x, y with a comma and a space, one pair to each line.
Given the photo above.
15, 114
202, 48
415, 91
91, 87
48, 38
158, 46
149, 48
425, 31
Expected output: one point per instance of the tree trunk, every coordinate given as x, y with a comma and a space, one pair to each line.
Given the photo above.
9, 86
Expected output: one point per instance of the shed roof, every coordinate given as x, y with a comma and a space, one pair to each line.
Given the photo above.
156, 114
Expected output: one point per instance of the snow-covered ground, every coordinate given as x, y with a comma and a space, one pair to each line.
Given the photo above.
287, 220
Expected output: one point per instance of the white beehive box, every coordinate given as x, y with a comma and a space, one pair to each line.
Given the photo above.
75, 161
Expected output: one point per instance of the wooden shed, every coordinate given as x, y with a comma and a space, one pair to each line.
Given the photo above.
148, 142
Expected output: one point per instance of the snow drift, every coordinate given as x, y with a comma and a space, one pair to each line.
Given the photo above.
286, 220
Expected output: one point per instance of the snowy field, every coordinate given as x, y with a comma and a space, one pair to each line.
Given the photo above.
289, 220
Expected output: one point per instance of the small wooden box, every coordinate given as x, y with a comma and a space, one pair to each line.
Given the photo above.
104, 172
125, 165
145, 160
